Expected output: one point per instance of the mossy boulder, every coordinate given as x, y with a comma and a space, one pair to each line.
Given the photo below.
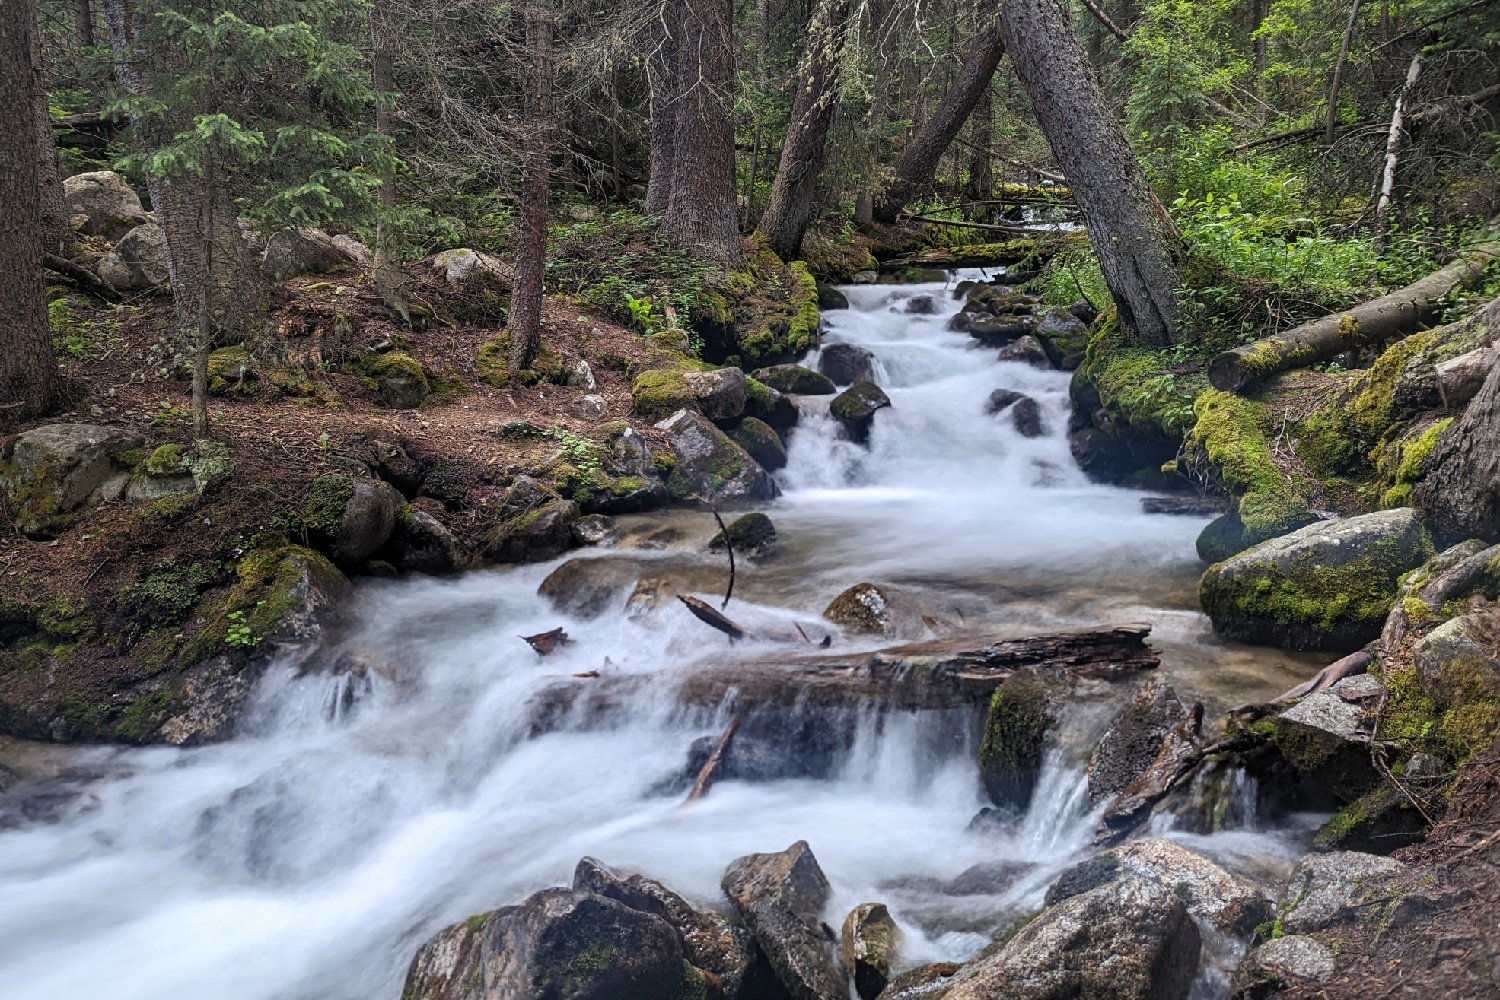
1380, 821
855, 409
707, 465
762, 442
351, 518
660, 392
847, 364
423, 544
1015, 738
231, 370
719, 394
863, 608
797, 380
767, 404
493, 361
536, 525
1327, 586
53, 473
398, 378
752, 536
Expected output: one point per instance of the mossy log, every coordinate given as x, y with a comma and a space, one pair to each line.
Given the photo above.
1372, 322
1034, 249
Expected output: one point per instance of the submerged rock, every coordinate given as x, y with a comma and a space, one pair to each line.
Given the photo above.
847, 364
1130, 939
869, 944
1327, 586
1015, 736
1024, 411
781, 897
855, 409
752, 535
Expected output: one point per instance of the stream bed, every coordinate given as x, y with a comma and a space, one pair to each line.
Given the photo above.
308, 858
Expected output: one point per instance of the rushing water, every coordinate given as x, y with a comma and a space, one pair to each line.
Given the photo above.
307, 859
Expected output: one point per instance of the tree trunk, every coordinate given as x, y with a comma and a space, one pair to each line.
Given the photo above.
1392, 154
29, 383
83, 20
1139, 249
661, 73
1460, 493
701, 214
385, 271
814, 109
1370, 322
979, 185
57, 234
531, 251
1338, 72
919, 160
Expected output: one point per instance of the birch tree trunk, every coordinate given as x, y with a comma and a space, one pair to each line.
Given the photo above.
1139, 249
1392, 154
814, 109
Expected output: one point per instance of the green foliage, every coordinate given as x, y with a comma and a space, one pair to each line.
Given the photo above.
82, 336
1070, 276
620, 264
240, 634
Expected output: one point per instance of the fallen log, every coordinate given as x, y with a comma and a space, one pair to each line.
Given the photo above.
714, 763
1041, 246
706, 614
85, 279
1369, 323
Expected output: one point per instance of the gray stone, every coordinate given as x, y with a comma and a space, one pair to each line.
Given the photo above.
1327, 889
101, 203
847, 364
596, 529
710, 466
354, 250
472, 271
1326, 736
796, 380
855, 409
1026, 349
581, 376
781, 897
1230, 903
294, 252
925, 982
1280, 963
1133, 739
53, 472
138, 262
1453, 649
720, 393
423, 544
367, 521
761, 441
590, 407
870, 945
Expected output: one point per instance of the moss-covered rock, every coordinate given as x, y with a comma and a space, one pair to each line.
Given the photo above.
231, 370
762, 442
1327, 586
767, 404
537, 529
855, 409
1015, 736
752, 535
659, 393
493, 362
709, 466
52, 473
351, 518
1378, 822
1228, 442
398, 378
797, 380
863, 608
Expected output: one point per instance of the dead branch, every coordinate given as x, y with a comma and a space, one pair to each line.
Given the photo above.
715, 762
706, 614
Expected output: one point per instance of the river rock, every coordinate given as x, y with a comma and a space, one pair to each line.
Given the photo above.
996, 331
761, 441
1326, 889
308, 250
472, 271
1230, 903
423, 544
988, 878
1184, 507
1015, 737
101, 203
855, 409
712, 942
869, 944
596, 530
720, 394
357, 529
864, 608
138, 262
921, 305
1327, 586
1177, 755
710, 466
542, 533
752, 535
770, 405
1130, 939
1290, 961
51, 473
1063, 331
1027, 350
1326, 736
558, 943
781, 897
1133, 739
1024, 411
847, 364
796, 380
830, 298
925, 982
1454, 656
586, 588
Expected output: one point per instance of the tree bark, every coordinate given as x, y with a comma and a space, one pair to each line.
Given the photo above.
57, 234
531, 251
1460, 491
1338, 72
29, 383
1139, 249
661, 74
927, 144
1368, 323
83, 21
385, 272
814, 109
1392, 154
979, 184
701, 214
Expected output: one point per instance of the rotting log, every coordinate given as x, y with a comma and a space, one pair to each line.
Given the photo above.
1367, 324
1042, 246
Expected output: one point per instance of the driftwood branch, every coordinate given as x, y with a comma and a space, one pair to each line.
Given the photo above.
1355, 663
728, 547
707, 614
1369, 323
715, 762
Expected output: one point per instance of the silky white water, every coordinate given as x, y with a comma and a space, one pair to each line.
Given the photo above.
307, 859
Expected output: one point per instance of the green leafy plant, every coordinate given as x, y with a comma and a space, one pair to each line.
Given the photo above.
240, 634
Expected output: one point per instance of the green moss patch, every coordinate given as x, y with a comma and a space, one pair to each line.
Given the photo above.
1229, 437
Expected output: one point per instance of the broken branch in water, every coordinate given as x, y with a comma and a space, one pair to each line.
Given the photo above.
545, 642
728, 547
715, 762
706, 614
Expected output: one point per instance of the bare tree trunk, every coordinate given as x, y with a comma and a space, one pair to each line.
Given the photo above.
57, 235
385, 271
203, 342
1392, 153
661, 74
803, 153
531, 251
1139, 249
83, 18
980, 183
864, 201
1338, 72
29, 383
1104, 19
701, 213
925, 148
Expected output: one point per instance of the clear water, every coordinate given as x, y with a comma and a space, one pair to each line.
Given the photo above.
307, 859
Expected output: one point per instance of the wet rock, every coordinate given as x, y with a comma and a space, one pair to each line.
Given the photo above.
759, 757
423, 544
855, 409
558, 943
863, 608
988, 878
1027, 350
1221, 538
1327, 586
1281, 963
711, 942
921, 305
710, 466
1327, 889
1015, 736
596, 529
831, 298
590, 407
1133, 739
1230, 903
781, 897
1179, 753
865, 277
1183, 506
542, 533
1026, 414
752, 535
720, 394
925, 982
352, 518
996, 331
1000, 399
869, 944
1062, 333
471, 270
761, 441
796, 380
1326, 737
293, 252
1130, 939
586, 588
101, 203
53, 472
138, 262
770, 405
847, 364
